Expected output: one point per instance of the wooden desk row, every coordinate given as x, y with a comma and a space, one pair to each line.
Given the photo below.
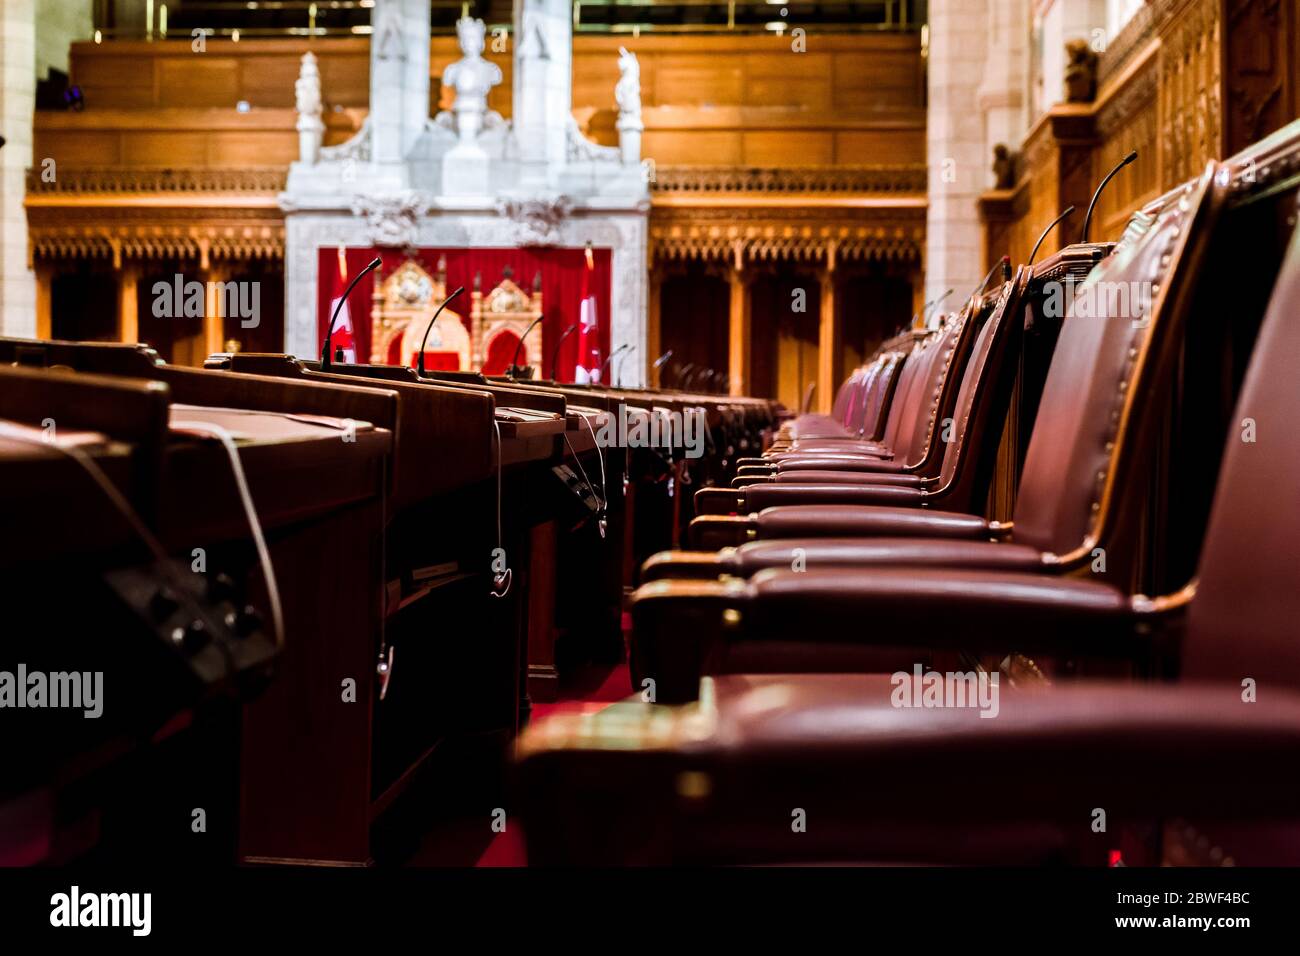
392, 507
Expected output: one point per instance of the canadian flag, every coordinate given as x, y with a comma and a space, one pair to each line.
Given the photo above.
587, 369
342, 339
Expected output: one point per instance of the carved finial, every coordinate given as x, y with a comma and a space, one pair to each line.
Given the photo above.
537, 281
478, 281
1080, 72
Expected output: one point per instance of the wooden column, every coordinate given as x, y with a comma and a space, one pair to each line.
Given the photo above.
652, 327
738, 341
128, 303
44, 317
829, 338
213, 339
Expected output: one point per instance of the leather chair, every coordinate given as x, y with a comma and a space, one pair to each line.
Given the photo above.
717, 781
925, 398
1083, 440
1090, 448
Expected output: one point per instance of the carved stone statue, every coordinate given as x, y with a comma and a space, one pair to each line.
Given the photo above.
310, 126
1080, 72
1004, 167
472, 77
628, 95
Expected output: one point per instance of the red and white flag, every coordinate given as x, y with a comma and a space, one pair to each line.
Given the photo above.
587, 368
343, 339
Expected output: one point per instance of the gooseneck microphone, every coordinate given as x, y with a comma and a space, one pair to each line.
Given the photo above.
555, 352
618, 374
419, 362
1087, 220
934, 304
1002, 263
609, 358
326, 355
1069, 211
514, 361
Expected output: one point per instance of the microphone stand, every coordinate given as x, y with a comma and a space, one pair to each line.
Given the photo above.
326, 355
1069, 210
932, 305
618, 375
609, 358
1087, 220
514, 370
420, 359
555, 352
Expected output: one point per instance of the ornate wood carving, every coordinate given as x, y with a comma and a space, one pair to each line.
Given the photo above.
1191, 125
886, 179
507, 308
1260, 40
402, 305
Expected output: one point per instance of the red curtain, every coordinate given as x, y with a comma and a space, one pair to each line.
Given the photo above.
561, 271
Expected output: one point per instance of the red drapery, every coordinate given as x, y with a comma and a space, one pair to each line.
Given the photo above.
561, 271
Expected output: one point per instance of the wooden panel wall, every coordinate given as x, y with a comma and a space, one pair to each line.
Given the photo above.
708, 100
1187, 81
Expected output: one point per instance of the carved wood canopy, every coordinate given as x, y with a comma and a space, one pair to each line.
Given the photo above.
401, 307
118, 213
506, 309
797, 214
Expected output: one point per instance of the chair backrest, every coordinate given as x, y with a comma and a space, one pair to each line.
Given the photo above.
1107, 363
1245, 618
984, 395
875, 409
939, 368
905, 385
850, 409
846, 396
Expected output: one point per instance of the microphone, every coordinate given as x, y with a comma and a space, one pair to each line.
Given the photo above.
326, 354
419, 362
1069, 210
618, 375
663, 358
682, 373
1087, 220
701, 371
610, 357
1002, 263
933, 304
514, 369
555, 352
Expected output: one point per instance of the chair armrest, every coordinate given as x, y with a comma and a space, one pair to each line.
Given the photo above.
952, 608
774, 494
836, 476
855, 521
715, 781
839, 462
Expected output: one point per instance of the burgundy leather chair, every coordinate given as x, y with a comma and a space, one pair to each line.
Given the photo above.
1091, 446
859, 406
925, 398
1083, 446
717, 781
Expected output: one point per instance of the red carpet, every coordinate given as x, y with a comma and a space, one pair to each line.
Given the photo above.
591, 691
